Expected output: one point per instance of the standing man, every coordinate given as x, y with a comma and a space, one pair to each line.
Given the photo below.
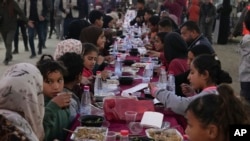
37, 11
207, 18
22, 25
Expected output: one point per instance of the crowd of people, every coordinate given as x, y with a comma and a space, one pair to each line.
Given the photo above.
38, 101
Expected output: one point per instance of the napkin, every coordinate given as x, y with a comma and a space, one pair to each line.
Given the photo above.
134, 89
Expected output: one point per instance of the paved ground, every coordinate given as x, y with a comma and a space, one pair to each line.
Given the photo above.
227, 54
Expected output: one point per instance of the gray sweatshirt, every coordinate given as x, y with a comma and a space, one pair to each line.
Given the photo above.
244, 68
179, 104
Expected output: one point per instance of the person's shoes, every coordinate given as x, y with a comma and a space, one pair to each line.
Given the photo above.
15, 52
32, 56
49, 37
6, 62
26, 49
44, 47
11, 57
39, 52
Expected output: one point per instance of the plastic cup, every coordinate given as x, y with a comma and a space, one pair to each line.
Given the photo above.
111, 136
135, 128
130, 116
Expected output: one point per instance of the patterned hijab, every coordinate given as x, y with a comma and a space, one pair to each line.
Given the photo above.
22, 100
69, 45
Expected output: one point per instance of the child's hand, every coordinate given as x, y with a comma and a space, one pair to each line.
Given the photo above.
153, 53
62, 100
153, 88
104, 74
100, 60
187, 90
85, 81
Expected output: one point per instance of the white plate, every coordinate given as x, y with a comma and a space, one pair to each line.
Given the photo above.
139, 65
100, 132
168, 134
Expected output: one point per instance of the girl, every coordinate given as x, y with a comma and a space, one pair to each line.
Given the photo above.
205, 73
175, 51
210, 116
22, 104
95, 35
57, 113
9, 10
72, 80
89, 56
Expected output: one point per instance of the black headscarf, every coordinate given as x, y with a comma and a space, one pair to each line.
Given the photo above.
174, 47
201, 49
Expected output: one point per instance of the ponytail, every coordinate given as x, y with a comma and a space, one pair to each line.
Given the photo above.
212, 65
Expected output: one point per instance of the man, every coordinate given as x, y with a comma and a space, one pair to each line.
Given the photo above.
139, 19
22, 25
37, 11
207, 17
96, 18
190, 32
167, 25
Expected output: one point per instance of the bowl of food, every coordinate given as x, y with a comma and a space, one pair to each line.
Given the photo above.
89, 133
126, 80
164, 134
92, 121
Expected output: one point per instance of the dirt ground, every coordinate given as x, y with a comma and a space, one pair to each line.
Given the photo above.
230, 57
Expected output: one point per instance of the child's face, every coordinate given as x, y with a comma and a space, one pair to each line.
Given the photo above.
90, 60
190, 58
99, 22
101, 41
197, 80
158, 44
53, 85
194, 129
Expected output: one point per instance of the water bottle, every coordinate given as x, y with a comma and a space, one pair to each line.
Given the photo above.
98, 84
118, 66
148, 73
115, 49
162, 79
171, 83
85, 108
124, 135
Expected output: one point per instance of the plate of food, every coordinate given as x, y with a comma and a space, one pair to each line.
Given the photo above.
164, 134
139, 65
89, 133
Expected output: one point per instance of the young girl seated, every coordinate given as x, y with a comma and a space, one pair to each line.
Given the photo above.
210, 116
57, 113
74, 64
22, 104
89, 56
175, 52
205, 74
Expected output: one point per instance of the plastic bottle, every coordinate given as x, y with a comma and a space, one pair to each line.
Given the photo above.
118, 67
98, 84
124, 135
85, 108
163, 78
115, 49
148, 73
171, 83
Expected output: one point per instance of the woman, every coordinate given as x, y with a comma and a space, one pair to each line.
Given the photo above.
21, 104
224, 28
9, 11
175, 51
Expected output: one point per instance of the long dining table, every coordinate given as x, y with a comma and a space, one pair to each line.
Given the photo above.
176, 121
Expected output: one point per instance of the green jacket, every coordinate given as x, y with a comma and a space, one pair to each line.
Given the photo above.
10, 22
55, 119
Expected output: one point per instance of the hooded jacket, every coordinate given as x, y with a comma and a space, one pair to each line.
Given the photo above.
244, 68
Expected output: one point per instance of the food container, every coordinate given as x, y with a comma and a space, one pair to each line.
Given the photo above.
164, 134
89, 133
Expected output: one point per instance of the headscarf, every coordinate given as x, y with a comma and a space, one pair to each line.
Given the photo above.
174, 47
22, 100
69, 45
90, 34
